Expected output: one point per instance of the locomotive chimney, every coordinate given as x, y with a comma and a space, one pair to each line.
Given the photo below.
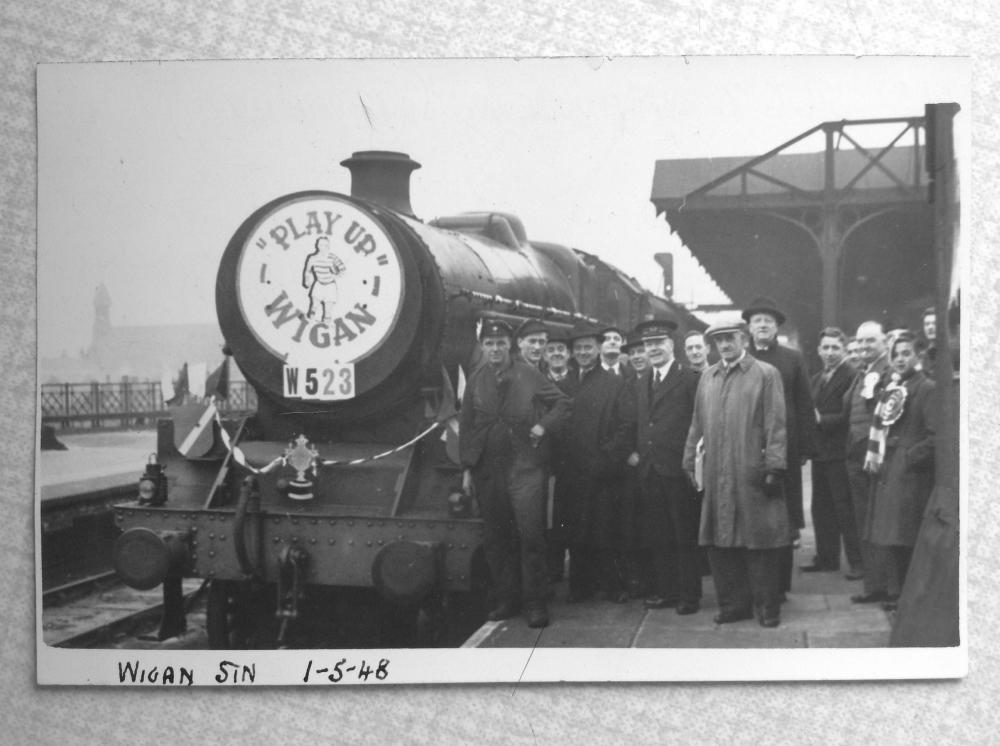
382, 176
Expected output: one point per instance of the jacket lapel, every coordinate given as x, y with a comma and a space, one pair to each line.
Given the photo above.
672, 379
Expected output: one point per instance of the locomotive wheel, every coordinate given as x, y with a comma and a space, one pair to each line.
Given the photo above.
240, 616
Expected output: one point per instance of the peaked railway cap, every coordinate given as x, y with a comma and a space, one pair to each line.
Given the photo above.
531, 326
495, 328
763, 304
656, 328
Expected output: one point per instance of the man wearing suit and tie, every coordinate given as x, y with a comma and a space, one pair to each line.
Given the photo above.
669, 509
832, 508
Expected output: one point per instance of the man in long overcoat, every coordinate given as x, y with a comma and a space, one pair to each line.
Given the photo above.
595, 442
739, 410
859, 403
764, 318
668, 510
507, 410
904, 468
832, 509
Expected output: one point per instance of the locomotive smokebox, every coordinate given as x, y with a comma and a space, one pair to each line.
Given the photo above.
383, 177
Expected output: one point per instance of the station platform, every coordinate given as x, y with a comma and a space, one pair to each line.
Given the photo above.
818, 614
94, 462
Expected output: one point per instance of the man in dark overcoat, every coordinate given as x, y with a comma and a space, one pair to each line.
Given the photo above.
507, 410
832, 509
763, 319
556, 364
739, 411
901, 457
859, 402
595, 442
669, 508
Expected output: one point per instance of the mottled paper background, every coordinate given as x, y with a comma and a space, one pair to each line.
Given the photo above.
916, 712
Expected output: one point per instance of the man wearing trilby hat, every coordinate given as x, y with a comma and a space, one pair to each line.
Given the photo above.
739, 410
764, 318
507, 410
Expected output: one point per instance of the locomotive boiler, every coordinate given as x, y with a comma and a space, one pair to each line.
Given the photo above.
355, 322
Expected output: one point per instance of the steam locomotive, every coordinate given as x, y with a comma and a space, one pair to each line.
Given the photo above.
355, 322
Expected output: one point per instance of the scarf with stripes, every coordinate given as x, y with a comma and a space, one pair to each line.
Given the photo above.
888, 410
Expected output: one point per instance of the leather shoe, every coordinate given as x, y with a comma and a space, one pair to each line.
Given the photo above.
658, 602
855, 573
505, 610
814, 567
870, 598
537, 617
688, 607
770, 621
726, 617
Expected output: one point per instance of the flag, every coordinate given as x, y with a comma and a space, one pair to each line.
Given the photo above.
180, 387
193, 434
218, 383
196, 379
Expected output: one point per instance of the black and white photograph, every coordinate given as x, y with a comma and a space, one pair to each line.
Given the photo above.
501, 370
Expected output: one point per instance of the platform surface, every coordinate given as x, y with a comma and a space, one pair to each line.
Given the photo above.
93, 462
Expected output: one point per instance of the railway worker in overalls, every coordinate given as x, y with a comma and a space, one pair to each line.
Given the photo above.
668, 508
507, 411
739, 410
531, 337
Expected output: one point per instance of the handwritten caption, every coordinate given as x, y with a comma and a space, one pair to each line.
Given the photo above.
342, 671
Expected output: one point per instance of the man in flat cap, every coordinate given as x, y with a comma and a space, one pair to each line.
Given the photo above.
595, 441
668, 503
531, 337
507, 410
763, 319
739, 410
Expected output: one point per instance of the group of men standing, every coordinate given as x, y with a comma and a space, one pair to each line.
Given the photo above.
641, 470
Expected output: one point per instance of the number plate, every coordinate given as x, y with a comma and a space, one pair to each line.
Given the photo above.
330, 383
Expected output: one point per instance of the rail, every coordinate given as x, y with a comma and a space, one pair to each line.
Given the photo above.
122, 404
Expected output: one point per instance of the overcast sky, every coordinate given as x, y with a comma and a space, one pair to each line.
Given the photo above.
147, 169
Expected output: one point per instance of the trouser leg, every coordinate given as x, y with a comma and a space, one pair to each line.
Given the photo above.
876, 559
527, 498
762, 569
824, 517
847, 526
685, 513
659, 531
499, 540
731, 579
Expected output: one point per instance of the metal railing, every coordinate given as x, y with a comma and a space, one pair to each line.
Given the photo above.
122, 404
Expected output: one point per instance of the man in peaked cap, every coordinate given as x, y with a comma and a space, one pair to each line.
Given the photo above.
668, 506
763, 319
739, 411
507, 411
531, 337
596, 440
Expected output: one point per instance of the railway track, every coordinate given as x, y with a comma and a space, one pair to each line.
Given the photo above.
102, 612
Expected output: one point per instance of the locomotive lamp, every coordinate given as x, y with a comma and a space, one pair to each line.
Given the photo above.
153, 483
